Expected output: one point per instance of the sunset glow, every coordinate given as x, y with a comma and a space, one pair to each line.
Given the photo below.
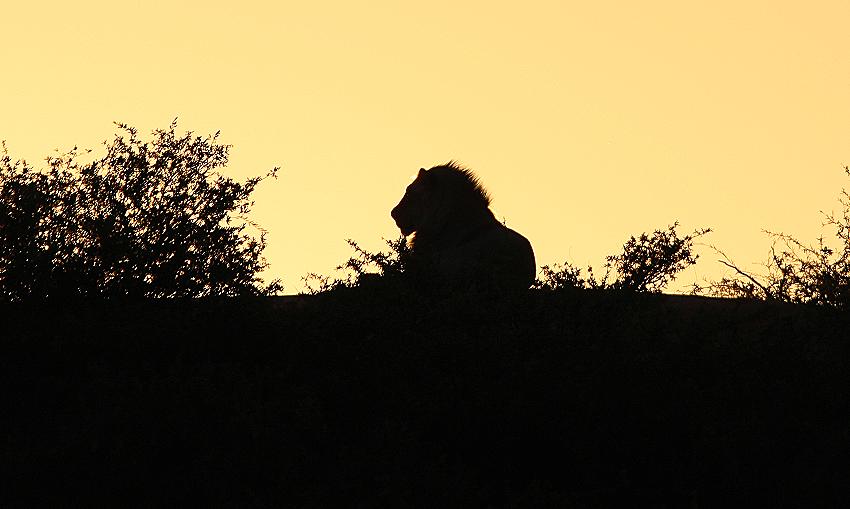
586, 121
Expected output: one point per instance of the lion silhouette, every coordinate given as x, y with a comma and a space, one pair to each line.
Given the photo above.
456, 240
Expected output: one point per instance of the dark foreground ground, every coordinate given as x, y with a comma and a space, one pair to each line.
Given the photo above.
375, 399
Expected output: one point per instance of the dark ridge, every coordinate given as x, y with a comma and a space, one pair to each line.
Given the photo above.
374, 398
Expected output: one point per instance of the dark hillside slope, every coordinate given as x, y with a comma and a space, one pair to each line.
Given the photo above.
370, 398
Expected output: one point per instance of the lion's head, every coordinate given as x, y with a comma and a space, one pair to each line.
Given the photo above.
442, 194
409, 212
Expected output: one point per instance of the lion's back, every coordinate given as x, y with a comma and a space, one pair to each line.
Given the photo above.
498, 258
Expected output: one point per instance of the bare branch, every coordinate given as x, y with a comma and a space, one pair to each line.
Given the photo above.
767, 292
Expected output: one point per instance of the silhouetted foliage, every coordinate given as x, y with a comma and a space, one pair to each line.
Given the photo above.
364, 266
149, 219
796, 272
647, 264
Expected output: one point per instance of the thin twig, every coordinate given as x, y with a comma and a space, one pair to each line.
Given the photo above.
767, 293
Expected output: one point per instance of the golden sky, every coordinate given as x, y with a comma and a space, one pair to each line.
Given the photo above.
587, 121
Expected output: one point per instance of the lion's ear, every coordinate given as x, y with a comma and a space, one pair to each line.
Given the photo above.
421, 172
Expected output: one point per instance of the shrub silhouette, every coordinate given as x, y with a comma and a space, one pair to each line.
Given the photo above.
796, 272
149, 219
647, 264
364, 267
